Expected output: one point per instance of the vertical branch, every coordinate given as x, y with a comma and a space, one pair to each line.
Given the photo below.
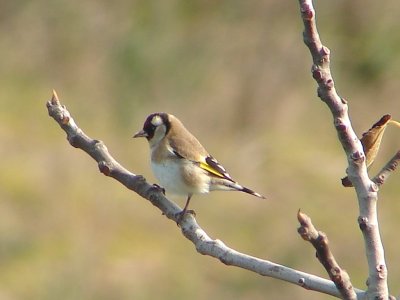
366, 190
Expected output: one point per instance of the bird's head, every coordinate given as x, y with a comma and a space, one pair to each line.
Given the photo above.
155, 127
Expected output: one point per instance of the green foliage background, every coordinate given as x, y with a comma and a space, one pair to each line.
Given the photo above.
237, 74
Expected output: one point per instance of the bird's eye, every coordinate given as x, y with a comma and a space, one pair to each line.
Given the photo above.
149, 128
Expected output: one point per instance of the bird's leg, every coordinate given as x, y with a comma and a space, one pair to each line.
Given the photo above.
186, 205
186, 210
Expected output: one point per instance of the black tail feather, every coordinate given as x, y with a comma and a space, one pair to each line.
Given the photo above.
251, 192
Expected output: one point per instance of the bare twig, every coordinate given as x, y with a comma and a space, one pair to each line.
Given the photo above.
391, 166
320, 242
190, 229
357, 171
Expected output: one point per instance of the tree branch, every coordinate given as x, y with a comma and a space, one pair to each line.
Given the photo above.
382, 175
190, 229
320, 242
371, 141
390, 167
366, 190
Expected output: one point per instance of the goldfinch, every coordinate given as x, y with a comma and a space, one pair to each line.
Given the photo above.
180, 162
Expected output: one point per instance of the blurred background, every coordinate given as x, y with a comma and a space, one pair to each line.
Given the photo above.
238, 75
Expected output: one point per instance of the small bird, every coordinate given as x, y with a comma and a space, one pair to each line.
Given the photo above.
180, 162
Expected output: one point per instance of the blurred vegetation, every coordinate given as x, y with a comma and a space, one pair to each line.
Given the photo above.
237, 74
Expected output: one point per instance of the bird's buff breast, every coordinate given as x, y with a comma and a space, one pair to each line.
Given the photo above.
182, 178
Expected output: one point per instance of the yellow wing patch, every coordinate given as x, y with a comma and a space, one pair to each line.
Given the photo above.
210, 169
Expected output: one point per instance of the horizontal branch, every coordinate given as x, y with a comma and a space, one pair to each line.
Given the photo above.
190, 228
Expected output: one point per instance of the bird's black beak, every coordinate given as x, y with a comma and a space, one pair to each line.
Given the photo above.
141, 133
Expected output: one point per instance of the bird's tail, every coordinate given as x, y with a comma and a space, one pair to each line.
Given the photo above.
227, 185
251, 192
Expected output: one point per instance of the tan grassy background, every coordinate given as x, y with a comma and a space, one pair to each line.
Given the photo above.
237, 74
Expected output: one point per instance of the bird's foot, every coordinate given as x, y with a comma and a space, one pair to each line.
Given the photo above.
159, 187
181, 215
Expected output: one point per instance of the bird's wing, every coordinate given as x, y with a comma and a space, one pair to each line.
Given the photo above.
185, 145
191, 149
211, 165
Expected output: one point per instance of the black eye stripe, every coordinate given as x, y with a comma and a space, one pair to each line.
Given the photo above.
150, 128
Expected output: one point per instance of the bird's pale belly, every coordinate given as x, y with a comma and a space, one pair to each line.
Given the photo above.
180, 178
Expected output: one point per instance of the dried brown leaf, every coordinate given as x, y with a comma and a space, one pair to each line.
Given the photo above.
371, 141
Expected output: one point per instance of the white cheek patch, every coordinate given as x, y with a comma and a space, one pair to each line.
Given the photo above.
156, 121
159, 134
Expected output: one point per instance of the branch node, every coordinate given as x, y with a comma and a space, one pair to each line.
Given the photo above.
363, 223
394, 165
316, 73
374, 187
224, 259
339, 124
323, 239
307, 12
99, 145
65, 119
382, 272
346, 182
335, 273
329, 84
302, 282
325, 52
73, 139
380, 179
358, 157
104, 168
62, 116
